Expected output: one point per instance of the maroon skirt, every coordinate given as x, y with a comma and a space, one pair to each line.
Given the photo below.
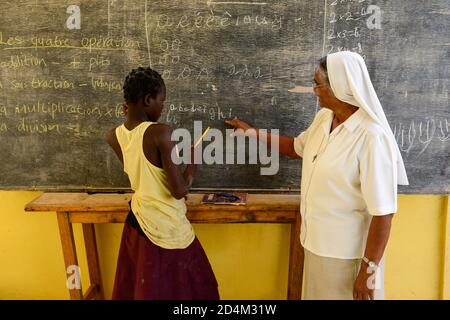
147, 271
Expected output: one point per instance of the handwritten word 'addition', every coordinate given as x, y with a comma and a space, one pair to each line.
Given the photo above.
23, 61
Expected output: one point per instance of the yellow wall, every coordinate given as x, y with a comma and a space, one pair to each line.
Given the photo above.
250, 260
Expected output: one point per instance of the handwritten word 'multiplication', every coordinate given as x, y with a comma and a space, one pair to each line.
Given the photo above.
54, 108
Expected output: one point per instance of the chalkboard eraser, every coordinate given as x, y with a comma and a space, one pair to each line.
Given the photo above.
233, 198
301, 89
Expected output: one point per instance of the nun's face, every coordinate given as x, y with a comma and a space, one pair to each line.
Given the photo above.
323, 91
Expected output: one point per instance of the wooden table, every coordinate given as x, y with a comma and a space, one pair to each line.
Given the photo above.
89, 209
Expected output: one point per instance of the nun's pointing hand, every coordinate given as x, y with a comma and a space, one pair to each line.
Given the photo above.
239, 124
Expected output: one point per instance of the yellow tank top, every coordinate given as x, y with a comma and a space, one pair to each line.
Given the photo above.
160, 215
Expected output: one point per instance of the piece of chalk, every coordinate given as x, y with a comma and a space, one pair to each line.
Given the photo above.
199, 140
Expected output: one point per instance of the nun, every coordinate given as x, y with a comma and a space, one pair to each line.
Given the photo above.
351, 166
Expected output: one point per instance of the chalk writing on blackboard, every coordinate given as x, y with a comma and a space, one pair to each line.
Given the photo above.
61, 73
417, 135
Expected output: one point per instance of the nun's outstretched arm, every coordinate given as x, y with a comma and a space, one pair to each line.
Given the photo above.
285, 143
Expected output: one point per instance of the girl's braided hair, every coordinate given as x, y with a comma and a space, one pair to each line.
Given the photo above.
140, 82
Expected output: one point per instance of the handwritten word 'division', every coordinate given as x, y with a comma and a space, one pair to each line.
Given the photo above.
36, 126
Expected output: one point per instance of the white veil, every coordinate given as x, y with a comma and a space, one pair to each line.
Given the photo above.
350, 82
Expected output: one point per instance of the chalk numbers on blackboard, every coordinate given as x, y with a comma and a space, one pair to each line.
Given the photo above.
348, 21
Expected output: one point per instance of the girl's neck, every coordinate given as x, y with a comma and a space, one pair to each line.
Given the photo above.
134, 120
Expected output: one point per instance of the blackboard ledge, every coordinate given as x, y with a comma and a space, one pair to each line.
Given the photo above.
92, 190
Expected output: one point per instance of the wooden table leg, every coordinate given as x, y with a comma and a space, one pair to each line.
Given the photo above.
296, 256
70, 256
92, 260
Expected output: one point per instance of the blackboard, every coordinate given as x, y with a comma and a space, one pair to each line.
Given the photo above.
62, 67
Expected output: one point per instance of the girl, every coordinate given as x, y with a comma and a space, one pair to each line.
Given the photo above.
160, 256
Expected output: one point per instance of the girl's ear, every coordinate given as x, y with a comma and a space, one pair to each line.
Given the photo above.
147, 100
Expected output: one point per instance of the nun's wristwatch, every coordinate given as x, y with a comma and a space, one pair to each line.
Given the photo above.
370, 263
